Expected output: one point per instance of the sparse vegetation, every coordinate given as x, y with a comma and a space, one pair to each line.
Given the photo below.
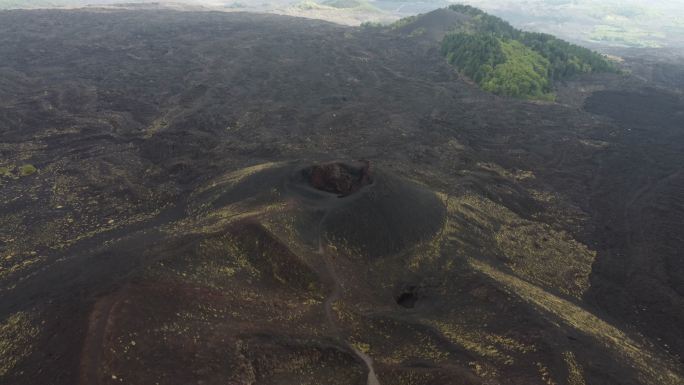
575, 371
15, 172
371, 24
641, 357
6, 171
27, 169
403, 22
16, 334
417, 32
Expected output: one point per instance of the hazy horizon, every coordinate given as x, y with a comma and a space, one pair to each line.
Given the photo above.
599, 24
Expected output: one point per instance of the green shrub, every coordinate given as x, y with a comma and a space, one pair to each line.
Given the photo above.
27, 169
6, 171
371, 24
417, 32
403, 22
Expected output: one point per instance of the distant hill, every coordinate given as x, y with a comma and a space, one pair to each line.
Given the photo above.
501, 58
606, 23
10, 4
34, 4
349, 4
434, 25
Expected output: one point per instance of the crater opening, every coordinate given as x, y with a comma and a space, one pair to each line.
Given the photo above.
339, 178
408, 297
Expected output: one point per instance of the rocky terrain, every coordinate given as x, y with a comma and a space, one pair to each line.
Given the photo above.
212, 198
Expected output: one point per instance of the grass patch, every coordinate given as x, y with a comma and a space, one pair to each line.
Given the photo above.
6, 172
27, 169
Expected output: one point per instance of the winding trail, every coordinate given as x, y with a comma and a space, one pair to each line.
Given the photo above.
335, 295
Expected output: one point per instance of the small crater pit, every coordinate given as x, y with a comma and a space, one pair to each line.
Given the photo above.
408, 297
339, 178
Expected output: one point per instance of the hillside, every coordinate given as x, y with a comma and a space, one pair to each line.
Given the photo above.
502, 59
242, 198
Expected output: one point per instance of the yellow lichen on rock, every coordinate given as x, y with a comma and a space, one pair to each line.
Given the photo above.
551, 257
575, 372
427, 252
17, 333
533, 250
233, 178
653, 367
482, 343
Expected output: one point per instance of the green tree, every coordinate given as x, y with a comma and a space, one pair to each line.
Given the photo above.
508, 61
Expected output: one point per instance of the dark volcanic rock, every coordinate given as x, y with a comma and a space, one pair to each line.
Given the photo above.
339, 178
185, 225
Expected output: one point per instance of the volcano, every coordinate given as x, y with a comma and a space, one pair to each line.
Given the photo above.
237, 198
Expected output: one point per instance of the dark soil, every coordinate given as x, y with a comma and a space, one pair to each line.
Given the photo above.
185, 216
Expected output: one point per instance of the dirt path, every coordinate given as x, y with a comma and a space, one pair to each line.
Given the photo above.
91, 355
335, 295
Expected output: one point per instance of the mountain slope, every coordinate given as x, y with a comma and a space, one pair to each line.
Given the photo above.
244, 198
